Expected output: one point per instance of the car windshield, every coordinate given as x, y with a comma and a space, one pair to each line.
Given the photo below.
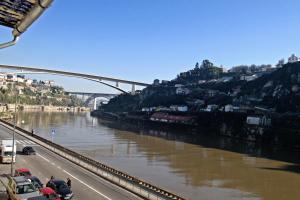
8, 153
25, 173
30, 149
24, 189
62, 185
36, 184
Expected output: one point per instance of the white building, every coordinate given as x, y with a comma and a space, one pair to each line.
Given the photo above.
211, 108
28, 82
20, 79
2, 76
11, 77
49, 83
182, 91
229, 108
248, 78
179, 108
293, 59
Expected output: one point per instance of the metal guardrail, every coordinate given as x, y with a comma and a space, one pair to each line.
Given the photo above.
122, 179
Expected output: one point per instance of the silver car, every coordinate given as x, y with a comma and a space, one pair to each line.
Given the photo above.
19, 188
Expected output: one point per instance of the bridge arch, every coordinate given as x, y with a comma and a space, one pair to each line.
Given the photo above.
95, 78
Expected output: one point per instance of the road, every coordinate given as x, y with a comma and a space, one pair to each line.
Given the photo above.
85, 185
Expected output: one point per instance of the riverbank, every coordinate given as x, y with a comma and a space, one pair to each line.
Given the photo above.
7, 110
273, 129
22, 107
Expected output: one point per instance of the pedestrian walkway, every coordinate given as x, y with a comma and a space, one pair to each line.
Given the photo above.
26, 142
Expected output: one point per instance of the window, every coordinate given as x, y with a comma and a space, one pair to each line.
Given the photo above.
24, 189
8, 153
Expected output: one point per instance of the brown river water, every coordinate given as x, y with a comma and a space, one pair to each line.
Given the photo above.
193, 166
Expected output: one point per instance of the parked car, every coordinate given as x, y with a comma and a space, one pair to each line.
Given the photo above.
20, 188
61, 188
49, 193
22, 172
36, 182
28, 150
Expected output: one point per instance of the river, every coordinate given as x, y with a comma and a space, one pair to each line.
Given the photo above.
193, 166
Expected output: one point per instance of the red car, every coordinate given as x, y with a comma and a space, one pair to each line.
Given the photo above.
49, 193
22, 172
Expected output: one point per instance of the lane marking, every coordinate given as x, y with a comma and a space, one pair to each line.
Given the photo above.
87, 185
90, 187
26, 142
43, 157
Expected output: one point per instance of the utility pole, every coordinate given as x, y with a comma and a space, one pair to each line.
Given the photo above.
14, 130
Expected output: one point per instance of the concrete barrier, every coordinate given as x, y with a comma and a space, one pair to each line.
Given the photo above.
122, 179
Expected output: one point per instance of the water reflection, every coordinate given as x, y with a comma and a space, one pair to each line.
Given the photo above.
194, 166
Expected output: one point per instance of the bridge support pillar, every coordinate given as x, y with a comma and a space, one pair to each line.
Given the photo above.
133, 89
117, 84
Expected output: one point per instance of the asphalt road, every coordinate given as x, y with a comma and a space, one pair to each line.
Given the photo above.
85, 185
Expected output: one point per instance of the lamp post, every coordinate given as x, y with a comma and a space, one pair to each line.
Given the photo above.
14, 130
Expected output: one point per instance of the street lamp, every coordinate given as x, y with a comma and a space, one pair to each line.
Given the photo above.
14, 130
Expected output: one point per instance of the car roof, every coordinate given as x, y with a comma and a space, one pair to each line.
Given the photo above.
22, 170
55, 181
33, 178
47, 190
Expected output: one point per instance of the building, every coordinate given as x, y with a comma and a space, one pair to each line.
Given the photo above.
229, 108
2, 76
178, 85
28, 82
49, 83
182, 91
293, 59
211, 108
10, 78
258, 120
179, 108
20, 79
156, 82
248, 78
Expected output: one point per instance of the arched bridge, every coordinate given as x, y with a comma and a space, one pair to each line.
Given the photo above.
92, 96
90, 77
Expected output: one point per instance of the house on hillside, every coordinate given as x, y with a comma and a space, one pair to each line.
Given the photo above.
248, 78
28, 82
10, 78
293, 58
20, 78
182, 91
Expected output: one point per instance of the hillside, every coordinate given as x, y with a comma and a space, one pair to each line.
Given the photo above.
278, 90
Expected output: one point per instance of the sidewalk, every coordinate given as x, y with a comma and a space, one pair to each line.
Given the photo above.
2, 188
4, 169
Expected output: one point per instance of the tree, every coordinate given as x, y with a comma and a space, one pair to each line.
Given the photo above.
197, 65
280, 63
206, 64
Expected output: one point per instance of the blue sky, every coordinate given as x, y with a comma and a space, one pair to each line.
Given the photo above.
143, 40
